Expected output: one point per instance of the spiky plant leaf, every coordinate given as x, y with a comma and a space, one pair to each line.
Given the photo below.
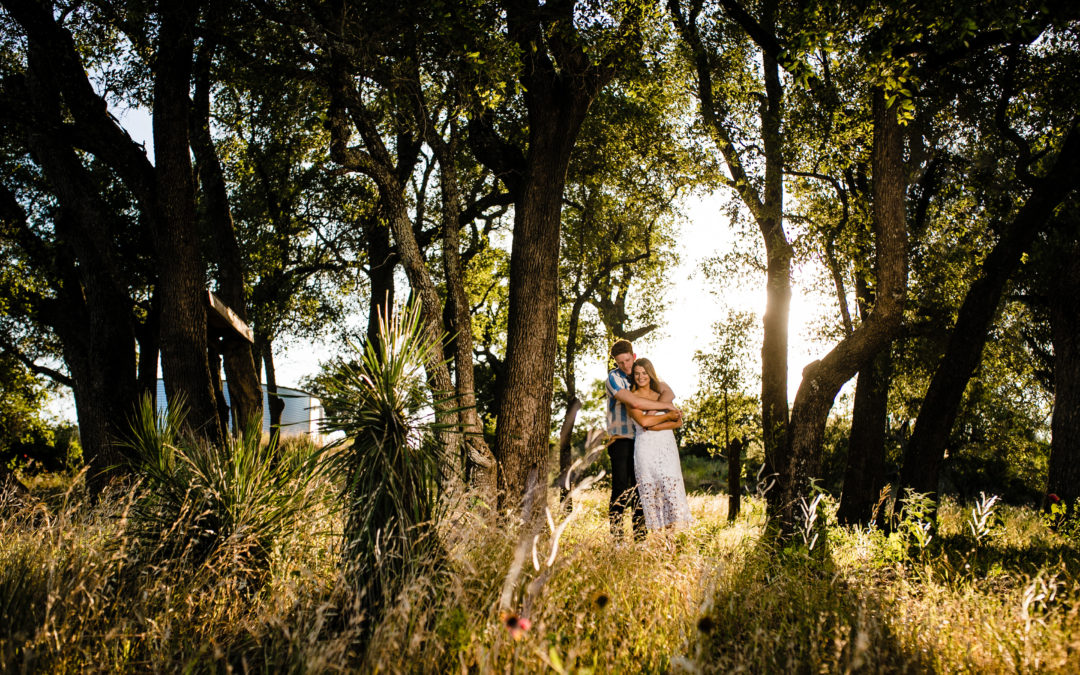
390, 457
203, 498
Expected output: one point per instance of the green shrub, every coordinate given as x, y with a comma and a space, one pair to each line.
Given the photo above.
202, 499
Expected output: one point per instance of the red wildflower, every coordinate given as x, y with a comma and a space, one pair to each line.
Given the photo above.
516, 625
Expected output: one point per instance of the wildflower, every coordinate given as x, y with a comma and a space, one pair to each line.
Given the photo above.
516, 625
600, 600
1054, 498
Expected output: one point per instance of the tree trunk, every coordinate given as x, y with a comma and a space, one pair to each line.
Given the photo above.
478, 456
148, 334
274, 402
94, 318
245, 395
865, 474
184, 360
382, 259
1063, 477
767, 207
524, 411
823, 379
774, 346
926, 449
734, 453
98, 344
565, 449
570, 378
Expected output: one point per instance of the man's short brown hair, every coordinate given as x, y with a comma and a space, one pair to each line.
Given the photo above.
621, 347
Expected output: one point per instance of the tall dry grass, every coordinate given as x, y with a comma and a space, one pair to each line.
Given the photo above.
76, 595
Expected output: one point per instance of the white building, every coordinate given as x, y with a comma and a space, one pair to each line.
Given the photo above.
302, 415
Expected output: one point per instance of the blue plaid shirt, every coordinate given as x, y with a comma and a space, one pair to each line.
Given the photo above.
619, 422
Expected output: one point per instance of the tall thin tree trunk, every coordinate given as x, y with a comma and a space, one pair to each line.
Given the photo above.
570, 378
184, 357
823, 379
275, 403
774, 346
245, 396
478, 455
1063, 476
767, 207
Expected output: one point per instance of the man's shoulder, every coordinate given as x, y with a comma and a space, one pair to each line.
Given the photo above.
618, 374
617, 379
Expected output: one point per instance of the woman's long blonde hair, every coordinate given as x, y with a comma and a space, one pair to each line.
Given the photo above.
654, 381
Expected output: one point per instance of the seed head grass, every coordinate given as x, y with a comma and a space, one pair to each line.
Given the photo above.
78, 594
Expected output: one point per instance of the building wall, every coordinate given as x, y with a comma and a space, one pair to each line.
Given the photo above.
302, 414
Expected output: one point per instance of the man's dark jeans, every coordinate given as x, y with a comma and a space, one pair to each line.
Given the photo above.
624, 494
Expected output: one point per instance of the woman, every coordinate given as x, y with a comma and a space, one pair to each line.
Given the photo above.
656, 457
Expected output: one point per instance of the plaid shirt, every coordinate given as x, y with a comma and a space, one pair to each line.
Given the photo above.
619, 422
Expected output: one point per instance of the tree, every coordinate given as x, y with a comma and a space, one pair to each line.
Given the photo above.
560, 76
744, 116
723, 372
164, 192
73, 282
1016, 232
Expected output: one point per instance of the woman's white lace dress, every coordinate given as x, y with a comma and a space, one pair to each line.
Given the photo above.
659, 478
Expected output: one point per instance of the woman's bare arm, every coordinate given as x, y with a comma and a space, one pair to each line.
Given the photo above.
670, 424
650, 422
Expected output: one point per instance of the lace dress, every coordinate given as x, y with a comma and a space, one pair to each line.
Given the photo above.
659, 478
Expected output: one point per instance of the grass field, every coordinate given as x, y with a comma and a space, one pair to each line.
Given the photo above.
79, 591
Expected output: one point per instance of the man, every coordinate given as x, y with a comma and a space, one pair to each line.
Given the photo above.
621, 429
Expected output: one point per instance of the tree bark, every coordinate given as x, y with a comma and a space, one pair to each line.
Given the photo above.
865, 473
524, 410
926, 449
823, 379
774, 347
565, 448
274, 402
245, 395
382, 259
184, 358
459, 328
1063, 476
94, 319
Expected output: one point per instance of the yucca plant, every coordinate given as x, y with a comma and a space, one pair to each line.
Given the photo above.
390, 458
202, 498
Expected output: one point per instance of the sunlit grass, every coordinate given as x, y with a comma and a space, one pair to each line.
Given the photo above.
76, 596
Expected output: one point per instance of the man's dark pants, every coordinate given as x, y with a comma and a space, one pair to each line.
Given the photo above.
624, 494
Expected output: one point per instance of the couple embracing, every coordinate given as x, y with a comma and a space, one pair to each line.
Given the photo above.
646, 476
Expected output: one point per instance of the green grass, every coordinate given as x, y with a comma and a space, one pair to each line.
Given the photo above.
77, 594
